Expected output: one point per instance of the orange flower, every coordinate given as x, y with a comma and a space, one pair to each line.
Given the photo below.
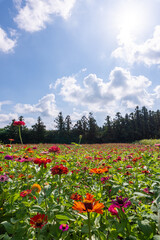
99, 170
36, 187
89, 204
64, 161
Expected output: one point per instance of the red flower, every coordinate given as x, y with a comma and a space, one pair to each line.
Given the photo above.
18, 123
145, 171
76, 196
54, 149
25, 192
42, 161
38, 221
59, 169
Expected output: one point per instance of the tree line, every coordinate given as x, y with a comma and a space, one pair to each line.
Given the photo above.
140, 124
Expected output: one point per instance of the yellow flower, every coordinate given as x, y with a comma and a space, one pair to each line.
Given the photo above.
36, 187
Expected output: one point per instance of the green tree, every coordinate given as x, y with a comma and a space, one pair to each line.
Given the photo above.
92, 129
39, 131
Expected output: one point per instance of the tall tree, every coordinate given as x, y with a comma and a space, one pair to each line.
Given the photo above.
92, 129
68, 124
60, 124
39, 130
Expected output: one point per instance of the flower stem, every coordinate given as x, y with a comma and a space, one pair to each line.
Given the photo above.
89, 225
20, 134
44, 191
59, 190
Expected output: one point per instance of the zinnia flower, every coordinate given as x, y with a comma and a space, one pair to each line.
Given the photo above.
54, 149
38, 221
8, 157
146, 190
25, 192
99, 170
59, 169
42, 161
145, 171
24, 159
18, 123
63, 227
11, 139
76, 196
8, 145
121, 202
36, 187
89, 204
113, 209
3, 178
104, 179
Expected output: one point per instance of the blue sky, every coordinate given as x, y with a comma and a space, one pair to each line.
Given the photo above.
78, 56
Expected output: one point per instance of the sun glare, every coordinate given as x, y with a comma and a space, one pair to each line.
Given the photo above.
131, 20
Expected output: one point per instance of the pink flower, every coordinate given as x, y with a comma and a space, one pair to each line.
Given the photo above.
63, 227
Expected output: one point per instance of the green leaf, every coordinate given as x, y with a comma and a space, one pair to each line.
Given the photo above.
8, 226
140, 194
145, 227
131, 238
62, 217
85, 229
16, 196
83, 216
37, 208
5, 237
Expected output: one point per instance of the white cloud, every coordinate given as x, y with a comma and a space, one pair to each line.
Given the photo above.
6, 44
6, 118
157, 91
121, 91
46, 106
7, 102
37, 13
77, 115
147, 53
29, 121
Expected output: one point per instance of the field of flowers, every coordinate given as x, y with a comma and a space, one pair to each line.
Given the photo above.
107, 191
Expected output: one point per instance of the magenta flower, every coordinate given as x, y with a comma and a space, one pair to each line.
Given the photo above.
8, 157
104, 179
113, 209
63, 227
146, 190
3, 178
24, 159
120, 202
128, 166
